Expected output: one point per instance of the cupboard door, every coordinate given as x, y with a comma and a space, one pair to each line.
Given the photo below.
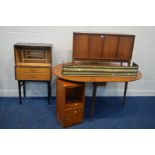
80, 48
110, 47
125, 47
73, 116
95, 46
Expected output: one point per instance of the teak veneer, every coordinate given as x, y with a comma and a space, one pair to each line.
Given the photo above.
69, 102
107, 47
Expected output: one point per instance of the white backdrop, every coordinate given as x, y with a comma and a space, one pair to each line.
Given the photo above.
61, 38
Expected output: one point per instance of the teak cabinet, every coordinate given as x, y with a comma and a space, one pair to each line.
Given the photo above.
89, 46
33, 62
69, 102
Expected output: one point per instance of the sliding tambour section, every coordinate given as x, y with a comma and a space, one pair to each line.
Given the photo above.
107, 71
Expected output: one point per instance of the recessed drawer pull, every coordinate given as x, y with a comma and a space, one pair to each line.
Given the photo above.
33, 70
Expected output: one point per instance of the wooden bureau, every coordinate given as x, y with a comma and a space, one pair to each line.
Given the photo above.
33, 62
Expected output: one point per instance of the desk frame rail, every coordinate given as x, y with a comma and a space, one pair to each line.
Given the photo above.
22, 83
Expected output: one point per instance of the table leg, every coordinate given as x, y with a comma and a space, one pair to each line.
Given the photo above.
24, 90
49, 92
93, 100
125, 90
19, 90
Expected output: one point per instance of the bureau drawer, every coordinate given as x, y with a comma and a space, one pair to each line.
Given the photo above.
33, 69
73, 116
33, 76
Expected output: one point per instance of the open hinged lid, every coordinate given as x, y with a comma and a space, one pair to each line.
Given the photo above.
107, 47
33, 54
40, 46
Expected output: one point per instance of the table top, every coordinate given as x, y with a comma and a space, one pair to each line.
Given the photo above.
57, 71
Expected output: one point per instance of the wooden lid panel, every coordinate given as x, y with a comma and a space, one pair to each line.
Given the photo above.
125, 48
80, 43
112, 47
95, 46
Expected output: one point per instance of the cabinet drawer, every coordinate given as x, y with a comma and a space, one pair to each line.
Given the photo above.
73, 105
33, 69
34, 76
73, 116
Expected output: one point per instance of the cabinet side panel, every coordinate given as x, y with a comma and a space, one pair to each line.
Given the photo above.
49, 56
110, 47
80, 45
125, 47
59, 100
16, 55
95, 46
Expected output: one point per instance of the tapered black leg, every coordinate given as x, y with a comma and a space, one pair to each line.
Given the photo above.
125, 90
93, 100
49, 91
19, 90
24, 90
